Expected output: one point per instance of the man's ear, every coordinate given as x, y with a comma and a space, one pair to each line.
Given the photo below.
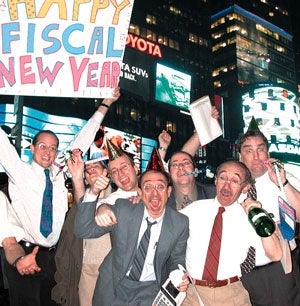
32, 148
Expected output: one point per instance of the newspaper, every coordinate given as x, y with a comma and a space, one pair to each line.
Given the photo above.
206, 126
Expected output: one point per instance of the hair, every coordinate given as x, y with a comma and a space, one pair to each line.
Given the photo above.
187, 154
99, 134
248, 176
130, 159
256, 133
36, 137
164, 173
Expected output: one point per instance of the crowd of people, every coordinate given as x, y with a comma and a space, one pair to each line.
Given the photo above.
118, 246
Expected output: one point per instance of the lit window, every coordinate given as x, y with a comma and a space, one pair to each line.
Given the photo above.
150, 19
171, 126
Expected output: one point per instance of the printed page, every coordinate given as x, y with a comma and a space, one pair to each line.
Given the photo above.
207, 127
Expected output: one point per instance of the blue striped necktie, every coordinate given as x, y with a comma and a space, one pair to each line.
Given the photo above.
139, 259
47, 208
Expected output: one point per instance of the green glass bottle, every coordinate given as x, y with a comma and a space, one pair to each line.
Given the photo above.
261, 221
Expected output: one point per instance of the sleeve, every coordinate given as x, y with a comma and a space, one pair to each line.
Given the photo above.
9, 157
85, 225
179, 250
10, 227
85, 137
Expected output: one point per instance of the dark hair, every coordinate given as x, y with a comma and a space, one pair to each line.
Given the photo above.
248, 176
99, 134
36, 137
243, 137
187, 154
164, 173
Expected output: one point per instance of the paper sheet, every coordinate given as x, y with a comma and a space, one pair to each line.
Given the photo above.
206, 126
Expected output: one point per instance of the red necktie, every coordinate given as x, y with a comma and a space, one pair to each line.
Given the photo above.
210, 270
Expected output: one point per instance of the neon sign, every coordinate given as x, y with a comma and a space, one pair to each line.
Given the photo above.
143, 45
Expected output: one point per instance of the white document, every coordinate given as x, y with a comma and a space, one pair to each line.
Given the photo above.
206, 126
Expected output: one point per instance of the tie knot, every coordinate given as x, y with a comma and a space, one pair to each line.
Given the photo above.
149, 224
47, 172
221, 210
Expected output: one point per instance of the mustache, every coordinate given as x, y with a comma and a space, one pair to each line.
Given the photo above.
226, 192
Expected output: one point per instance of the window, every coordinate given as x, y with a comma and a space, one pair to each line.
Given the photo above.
171, 126
150, 19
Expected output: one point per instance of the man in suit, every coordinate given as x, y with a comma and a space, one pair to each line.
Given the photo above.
127, 224
186, 189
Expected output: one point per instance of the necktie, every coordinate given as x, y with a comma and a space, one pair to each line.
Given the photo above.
46, 215
139, 259
252, 193
186, 201
213, 253
249, 262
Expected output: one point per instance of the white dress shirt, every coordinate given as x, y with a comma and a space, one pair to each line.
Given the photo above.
267, 195
237, 236
27, 184
8, 220
148, 273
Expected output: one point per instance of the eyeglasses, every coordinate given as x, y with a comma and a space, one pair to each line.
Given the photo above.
232, 182
148, 188
185, 164
43, 147
122, 168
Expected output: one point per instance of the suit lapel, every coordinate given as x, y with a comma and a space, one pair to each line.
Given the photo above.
133, 234
163, 243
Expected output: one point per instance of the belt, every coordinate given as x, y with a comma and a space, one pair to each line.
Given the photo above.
30, 245
217, 283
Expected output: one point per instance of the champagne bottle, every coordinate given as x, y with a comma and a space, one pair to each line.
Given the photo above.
261, 221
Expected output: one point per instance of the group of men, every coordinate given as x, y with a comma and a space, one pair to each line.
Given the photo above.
176, 213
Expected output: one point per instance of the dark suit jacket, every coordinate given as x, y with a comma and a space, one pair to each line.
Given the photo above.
170, 251
207, 191
68, 260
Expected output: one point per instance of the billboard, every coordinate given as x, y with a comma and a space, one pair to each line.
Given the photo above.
66, 128
276, 111
172, 86
136, 72
62, 48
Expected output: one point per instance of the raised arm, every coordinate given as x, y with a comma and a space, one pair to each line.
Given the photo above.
292, 194
86, 135
193, 143
270, 244
164, 140
76, 168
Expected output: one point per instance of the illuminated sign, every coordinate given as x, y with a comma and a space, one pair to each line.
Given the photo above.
172, 86
137, 73
143, 45
66, 128
277, 114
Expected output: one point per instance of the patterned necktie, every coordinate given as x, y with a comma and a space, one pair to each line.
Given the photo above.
210, 270
249, 262
252, 193
46, 216
186, 201
139, 259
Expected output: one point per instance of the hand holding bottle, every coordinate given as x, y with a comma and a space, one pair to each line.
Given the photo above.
259, 218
